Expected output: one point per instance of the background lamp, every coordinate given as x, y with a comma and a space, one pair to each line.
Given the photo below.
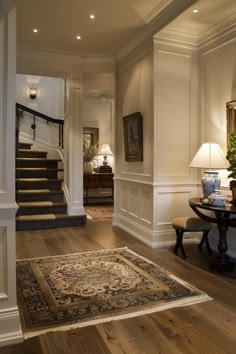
209, 156
105, 151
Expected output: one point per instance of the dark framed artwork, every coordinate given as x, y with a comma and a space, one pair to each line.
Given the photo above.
90, 137
133, 137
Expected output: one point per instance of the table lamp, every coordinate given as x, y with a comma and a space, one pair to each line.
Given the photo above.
105, 151
209, 156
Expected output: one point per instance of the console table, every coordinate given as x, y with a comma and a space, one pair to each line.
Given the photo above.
225, 217
98, 180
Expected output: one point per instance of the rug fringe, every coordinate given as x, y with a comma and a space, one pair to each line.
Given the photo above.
179, 303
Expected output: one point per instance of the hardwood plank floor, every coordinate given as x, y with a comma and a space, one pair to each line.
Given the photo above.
204, 328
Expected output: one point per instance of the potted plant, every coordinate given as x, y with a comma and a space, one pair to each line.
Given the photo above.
89, 155
231, 157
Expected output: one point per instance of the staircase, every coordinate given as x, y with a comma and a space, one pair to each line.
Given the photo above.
39, 194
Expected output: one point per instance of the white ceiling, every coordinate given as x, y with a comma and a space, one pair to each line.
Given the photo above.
59, 21
116, 21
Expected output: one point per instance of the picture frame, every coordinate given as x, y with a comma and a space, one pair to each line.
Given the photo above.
90, 137
133, 137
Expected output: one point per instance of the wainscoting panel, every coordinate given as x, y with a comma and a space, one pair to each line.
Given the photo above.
122, 197
3, 263
146, 211
171, 204
134, 200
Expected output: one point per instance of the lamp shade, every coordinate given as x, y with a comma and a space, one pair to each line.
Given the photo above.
211, 156
105, 150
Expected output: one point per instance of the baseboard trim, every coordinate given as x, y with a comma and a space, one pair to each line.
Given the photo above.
153, 239
10, 328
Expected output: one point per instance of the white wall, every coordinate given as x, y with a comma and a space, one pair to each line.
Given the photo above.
50, 96
133, 182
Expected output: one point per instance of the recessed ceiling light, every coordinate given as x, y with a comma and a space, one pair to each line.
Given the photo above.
35, 30
195, 11
92, 16
78, 37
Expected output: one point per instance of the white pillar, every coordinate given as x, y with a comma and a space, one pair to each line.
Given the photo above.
10, 330
73, 185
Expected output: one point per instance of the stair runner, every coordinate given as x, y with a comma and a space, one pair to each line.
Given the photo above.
39, 194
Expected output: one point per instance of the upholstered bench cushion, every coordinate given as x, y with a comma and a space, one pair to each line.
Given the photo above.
191, 224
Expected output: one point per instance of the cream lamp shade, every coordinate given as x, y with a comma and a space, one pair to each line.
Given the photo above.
210, 156
105, 151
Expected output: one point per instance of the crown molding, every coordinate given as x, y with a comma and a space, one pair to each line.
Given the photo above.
136, 55
222, 30
36, 61
164, 14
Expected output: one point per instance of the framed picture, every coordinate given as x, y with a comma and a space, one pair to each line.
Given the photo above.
90, 137
133, 137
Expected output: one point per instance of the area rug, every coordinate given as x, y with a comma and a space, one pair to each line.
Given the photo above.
98, 212
81, 289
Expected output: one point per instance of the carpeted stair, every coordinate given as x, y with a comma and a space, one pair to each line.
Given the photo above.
39, 194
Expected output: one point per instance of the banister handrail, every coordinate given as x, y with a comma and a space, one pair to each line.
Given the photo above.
60, 122
38, 114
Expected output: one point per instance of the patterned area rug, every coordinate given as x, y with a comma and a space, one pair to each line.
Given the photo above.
81, 289
98, 212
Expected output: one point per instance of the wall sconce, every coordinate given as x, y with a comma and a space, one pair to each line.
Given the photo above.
33, 93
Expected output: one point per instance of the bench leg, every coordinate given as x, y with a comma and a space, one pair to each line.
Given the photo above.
179, 243
206, 241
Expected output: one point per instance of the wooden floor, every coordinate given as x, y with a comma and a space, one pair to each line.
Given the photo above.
205, 328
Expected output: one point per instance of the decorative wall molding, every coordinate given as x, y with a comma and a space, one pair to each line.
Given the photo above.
153, 239
165, 13
59, 64
136, 55
220, 32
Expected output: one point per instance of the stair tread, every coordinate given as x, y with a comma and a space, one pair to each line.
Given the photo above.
39, 191
38, 169
40, 204
38, 179
35, 217
36, 158
46, 217
36, 151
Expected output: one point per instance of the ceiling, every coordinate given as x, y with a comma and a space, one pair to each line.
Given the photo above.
60, 21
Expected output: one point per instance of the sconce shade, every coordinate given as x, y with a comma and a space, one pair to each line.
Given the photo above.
105, 150
33, 93
209, 156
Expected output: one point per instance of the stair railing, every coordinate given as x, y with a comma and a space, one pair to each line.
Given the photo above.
20, 109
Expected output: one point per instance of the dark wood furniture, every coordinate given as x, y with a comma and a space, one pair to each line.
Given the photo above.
98, 180
225, 217
190, 224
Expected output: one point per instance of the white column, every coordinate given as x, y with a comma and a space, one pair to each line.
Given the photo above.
73, 179
10, 330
